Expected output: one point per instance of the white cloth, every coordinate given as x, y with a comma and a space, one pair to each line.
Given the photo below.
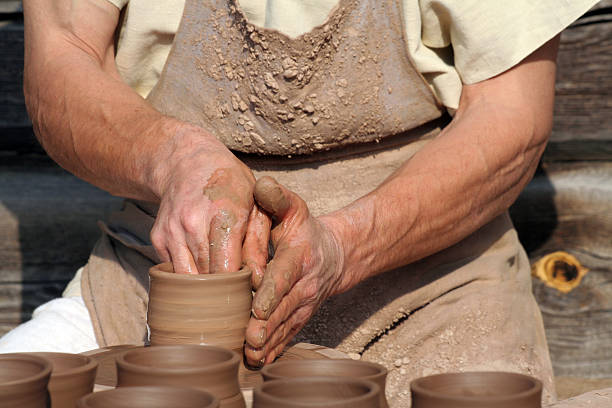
61, 325
451, 42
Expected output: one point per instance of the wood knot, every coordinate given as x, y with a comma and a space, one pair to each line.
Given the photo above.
559, 270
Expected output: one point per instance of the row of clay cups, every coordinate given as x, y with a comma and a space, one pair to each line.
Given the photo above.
205, 367
33, 380
307, 392
467, 389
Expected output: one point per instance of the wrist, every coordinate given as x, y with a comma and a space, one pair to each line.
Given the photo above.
345, 278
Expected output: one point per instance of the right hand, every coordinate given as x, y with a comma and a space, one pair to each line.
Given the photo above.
206, 205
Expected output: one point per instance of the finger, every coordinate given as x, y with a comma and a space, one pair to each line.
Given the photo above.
278, 350
281, 274
272, 197
286, 332
199, 250
225, 236
258, 331
257, 356
158, 240
255, 246
159, 234
197, 240
181, 258
280, 347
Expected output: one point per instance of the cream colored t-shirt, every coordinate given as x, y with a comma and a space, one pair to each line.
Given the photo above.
451, 41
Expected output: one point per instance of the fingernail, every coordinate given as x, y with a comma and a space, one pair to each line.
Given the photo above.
262, 336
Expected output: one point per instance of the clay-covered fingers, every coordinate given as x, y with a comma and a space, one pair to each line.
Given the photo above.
227, 231
255, 246
274, 198
281, 274
258, 330
278, 339
285, 334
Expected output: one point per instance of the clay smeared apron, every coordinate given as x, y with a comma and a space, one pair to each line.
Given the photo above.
331, 114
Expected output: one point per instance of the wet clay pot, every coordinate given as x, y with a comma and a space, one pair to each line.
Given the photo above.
210, 368
329, 368
198, 309
317, 392
476, 390
72, 377
150, 397
23, 381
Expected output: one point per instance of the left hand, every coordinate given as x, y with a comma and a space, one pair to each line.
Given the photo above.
306, 269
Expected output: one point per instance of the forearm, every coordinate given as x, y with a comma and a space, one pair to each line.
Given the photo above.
453, 186
91, 125
84, 115
468, 175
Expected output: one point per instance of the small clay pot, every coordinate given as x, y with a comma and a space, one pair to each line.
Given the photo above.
329, 368
476, 390
317, 392
198, 309
23, 381
72, 377
150, 397
210, 368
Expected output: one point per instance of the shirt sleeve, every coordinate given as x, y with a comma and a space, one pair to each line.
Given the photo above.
118, 3
489, 37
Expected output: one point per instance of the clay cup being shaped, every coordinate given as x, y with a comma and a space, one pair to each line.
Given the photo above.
209, 368
317, 392
149, 397
329, 368
23, 381
72, 377
476, 390
199, 309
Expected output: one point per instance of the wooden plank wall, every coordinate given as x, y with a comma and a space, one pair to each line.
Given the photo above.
48, 217
568, 205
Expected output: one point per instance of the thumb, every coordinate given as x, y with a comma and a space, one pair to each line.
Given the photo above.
272, 197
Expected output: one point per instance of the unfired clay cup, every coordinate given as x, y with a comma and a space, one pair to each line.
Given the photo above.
198, 309
210, 368
476, 390
23, 381
329, 368
72, 377
150, 397
317, 392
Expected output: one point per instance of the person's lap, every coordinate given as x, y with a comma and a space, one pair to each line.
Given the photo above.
468, 308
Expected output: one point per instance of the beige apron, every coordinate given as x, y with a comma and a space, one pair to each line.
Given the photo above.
331, 114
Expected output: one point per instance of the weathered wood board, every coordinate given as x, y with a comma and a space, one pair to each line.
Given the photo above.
47, 229
568, 207
582, 128
10, 6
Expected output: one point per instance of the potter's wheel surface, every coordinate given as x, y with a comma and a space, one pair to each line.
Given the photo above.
107, 369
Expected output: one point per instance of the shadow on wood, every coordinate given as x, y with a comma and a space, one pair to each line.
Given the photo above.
47, 229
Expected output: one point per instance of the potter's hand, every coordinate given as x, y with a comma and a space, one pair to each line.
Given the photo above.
306, 269
206, 204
